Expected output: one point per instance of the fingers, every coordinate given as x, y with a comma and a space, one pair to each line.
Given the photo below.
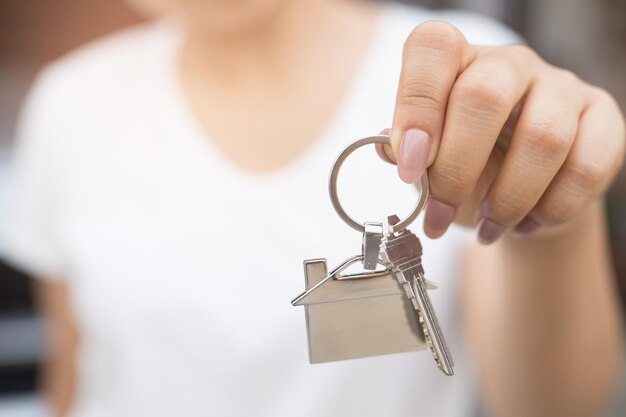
382, 151
551, 142
593, 161
542, 138
433, 56
481, 101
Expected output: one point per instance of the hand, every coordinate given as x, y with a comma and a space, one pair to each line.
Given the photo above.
510, 142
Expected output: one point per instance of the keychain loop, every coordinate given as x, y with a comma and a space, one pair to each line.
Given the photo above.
332, 186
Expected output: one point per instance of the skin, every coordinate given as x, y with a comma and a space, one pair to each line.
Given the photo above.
511, 138
61, 339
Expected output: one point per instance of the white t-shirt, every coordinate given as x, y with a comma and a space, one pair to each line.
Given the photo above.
182, 265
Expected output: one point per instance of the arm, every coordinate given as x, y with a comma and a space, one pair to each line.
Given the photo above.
61, 340
543, 321
519, 147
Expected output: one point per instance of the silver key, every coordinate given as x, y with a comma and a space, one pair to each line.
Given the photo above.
402, 251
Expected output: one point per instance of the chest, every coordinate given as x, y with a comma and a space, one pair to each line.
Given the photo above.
157, 235
161, 226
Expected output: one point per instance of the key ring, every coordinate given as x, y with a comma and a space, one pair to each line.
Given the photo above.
332, 186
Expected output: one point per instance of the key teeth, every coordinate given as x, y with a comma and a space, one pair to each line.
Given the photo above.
403, 251
445, 367
429, 340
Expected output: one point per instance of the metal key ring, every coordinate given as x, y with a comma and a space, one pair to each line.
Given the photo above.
332, 186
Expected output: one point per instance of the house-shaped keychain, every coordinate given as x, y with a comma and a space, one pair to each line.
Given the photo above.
364, 314
358, 315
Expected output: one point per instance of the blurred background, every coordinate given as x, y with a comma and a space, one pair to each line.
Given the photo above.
588, 37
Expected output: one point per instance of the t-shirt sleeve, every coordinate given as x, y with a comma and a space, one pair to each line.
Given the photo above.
478, 29
29, 237
481, 30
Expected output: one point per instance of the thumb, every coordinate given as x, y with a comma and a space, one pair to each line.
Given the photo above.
433, 56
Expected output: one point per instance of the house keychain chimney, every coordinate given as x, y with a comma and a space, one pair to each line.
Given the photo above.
375, 312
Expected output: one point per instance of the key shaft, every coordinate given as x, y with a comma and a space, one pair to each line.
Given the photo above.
402, 251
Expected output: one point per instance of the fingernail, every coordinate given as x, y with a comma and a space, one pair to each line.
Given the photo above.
413, 155
525, 227
489, 231
438, 218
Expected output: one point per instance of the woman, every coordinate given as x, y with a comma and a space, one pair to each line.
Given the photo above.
170, 179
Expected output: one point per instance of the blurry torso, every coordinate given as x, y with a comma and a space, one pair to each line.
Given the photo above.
182, 264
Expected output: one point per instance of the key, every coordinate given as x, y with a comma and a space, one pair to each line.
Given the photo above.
401, 250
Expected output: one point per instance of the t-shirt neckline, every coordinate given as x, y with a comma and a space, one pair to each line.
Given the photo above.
186, 121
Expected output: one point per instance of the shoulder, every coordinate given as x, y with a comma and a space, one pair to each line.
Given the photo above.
477, 28
117, 52
100, 67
